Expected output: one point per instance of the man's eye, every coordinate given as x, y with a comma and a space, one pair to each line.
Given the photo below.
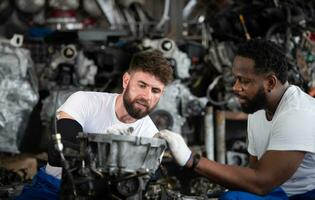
244, 81
156, 91
142, 86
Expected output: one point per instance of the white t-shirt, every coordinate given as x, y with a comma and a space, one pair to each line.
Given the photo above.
292, 128
95, 112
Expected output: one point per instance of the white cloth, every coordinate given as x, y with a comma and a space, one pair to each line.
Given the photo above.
292, 128
53, 171
95, 111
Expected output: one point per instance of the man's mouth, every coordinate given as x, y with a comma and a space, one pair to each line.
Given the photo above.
241, 99
142, 104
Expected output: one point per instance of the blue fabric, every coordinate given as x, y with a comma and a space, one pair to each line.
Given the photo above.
310, 195
40, 32
276, 194
43, 187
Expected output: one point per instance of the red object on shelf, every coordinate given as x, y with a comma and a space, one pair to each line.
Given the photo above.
312, 36
63, 13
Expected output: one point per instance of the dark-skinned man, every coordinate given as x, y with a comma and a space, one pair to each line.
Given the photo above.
281, 131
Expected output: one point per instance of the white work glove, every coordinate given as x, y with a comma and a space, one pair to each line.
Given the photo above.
177, 145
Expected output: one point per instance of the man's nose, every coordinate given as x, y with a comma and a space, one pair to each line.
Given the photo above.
237, 87
148, 94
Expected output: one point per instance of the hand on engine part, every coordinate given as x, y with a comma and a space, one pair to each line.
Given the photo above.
177, 145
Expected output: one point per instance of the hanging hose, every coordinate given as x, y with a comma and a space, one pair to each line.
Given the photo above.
59, 147
56, 138
165, 16
210, 88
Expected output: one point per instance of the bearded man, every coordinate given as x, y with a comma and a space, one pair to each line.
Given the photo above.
281, 132
99, 112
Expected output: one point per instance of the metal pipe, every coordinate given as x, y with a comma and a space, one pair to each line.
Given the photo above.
220, 135
209, 133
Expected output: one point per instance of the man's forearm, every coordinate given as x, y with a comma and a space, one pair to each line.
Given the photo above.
234, 177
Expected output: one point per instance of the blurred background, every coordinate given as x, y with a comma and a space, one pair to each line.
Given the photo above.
52, 48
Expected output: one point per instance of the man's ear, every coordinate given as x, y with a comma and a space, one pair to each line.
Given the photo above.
271, 82
126, 78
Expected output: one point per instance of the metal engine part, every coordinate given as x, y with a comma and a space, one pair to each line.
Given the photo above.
63, 15
31, 7
67, 54
11, 184
92, 8
238, 154
236, 158
85, 69
155, 189
53, 102
71, 67
112, 13
169, 49
6, 10
176, 103
61, 68
174, 195
202, 186
123, 154
127, 3
129, 187
64, 4
112, 165
19, 92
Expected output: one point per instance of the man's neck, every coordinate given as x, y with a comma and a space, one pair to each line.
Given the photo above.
274, 100
121, 112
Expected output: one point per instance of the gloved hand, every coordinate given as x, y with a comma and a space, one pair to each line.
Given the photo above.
178, 147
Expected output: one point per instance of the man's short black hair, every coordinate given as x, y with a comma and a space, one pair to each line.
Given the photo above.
268, 57
153, 62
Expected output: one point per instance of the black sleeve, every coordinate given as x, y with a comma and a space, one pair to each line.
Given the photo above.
69, 129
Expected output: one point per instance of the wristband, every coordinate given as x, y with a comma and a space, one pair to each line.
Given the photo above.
196, 160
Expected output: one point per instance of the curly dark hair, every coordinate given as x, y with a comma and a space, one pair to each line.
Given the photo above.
268, 57
152, 62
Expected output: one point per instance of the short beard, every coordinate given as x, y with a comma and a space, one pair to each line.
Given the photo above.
258, 102
131, 109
